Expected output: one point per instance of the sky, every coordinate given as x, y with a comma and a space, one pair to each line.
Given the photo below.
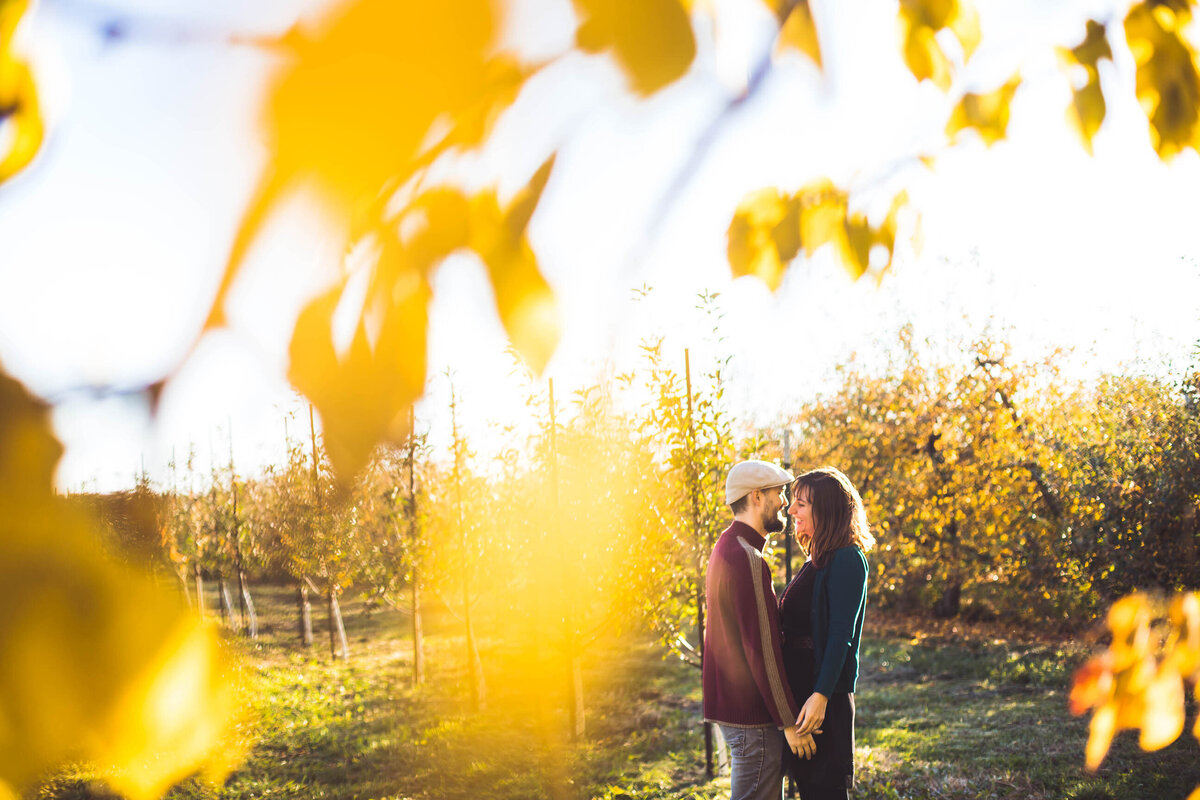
114, 240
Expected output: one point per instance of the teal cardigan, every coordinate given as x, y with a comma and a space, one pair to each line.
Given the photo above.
839, 603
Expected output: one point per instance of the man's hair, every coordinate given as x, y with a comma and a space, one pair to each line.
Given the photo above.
837, 513
741, 504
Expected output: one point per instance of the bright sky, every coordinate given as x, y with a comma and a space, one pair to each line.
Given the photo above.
114, 241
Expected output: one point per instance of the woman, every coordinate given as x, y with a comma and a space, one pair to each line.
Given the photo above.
821, 613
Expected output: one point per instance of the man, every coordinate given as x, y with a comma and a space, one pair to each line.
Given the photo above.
745, 686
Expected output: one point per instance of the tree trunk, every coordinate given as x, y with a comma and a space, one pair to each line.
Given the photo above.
181, 574
305, 609
575, 676
200, 609
474, 665
417, 633
226, 603
337, 630
249, 618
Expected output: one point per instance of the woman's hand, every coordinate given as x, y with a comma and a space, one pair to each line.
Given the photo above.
812, 715
803, 746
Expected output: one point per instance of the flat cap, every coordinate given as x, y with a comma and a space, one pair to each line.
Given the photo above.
746, 476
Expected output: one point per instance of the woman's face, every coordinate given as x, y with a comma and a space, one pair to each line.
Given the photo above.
801, 512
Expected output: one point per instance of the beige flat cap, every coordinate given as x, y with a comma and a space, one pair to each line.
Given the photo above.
746, 476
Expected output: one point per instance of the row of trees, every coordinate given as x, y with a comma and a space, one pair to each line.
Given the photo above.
997, 486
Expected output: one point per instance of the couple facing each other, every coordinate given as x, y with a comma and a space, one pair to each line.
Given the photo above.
762, 654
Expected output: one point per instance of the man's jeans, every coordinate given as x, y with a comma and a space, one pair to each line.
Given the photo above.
756, 762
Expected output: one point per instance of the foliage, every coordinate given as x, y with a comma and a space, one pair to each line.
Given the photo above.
1139, 681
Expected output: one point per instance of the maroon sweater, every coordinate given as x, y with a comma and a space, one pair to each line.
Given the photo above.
744, 679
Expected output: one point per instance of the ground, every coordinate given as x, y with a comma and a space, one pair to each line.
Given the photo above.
944, 711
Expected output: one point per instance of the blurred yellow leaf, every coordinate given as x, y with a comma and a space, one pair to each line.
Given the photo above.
364, 390
799, 32
353, 112
1091, 685
822, 216
859, 238
652, 40
1100, 735
764, 236
925, 58
987, 114
363, 393
1183, 646
20, 112
1195, 795
1168, 85
920, 21
83, 638
1088, 107
525, 301
355, 104
1162, 714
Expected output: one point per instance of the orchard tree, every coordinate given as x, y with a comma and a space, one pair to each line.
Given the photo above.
375, 101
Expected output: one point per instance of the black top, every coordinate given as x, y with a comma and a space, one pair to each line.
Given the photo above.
795, 619
833, 764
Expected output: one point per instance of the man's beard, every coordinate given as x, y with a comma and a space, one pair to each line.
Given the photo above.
773, 523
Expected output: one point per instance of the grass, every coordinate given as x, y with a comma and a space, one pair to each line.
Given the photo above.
952, 714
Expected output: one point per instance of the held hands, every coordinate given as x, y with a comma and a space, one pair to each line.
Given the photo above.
812, 715
803, 746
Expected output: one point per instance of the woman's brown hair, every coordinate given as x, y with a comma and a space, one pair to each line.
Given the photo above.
838, 516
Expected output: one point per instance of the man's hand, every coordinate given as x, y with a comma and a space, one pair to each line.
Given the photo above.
812, 715
803, 746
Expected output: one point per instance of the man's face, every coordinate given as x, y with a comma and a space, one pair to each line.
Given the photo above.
772, 509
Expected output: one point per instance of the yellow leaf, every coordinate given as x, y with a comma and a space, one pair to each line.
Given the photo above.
987, 114
1167, 84
799, 31
525, 301
354, 106
925, 58
1162, 715
1091, 685
920, 21
652, 40
1100, 735
20, 111
1195, 795
352, 111
763, 236
82, 634
1088, 106
859, 237
965, 25
164, 726
1086, 112
822, 216
364, 392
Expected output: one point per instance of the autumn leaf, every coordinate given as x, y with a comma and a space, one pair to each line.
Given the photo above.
99, 663
1162, 714
920, 21
822, 216
987, 114
799, 32
351, 112
1088, 107
364, 392
1168, 84
652, 40
525, 301
764, 236
20, 111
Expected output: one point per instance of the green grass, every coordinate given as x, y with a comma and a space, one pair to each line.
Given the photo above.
947, 716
